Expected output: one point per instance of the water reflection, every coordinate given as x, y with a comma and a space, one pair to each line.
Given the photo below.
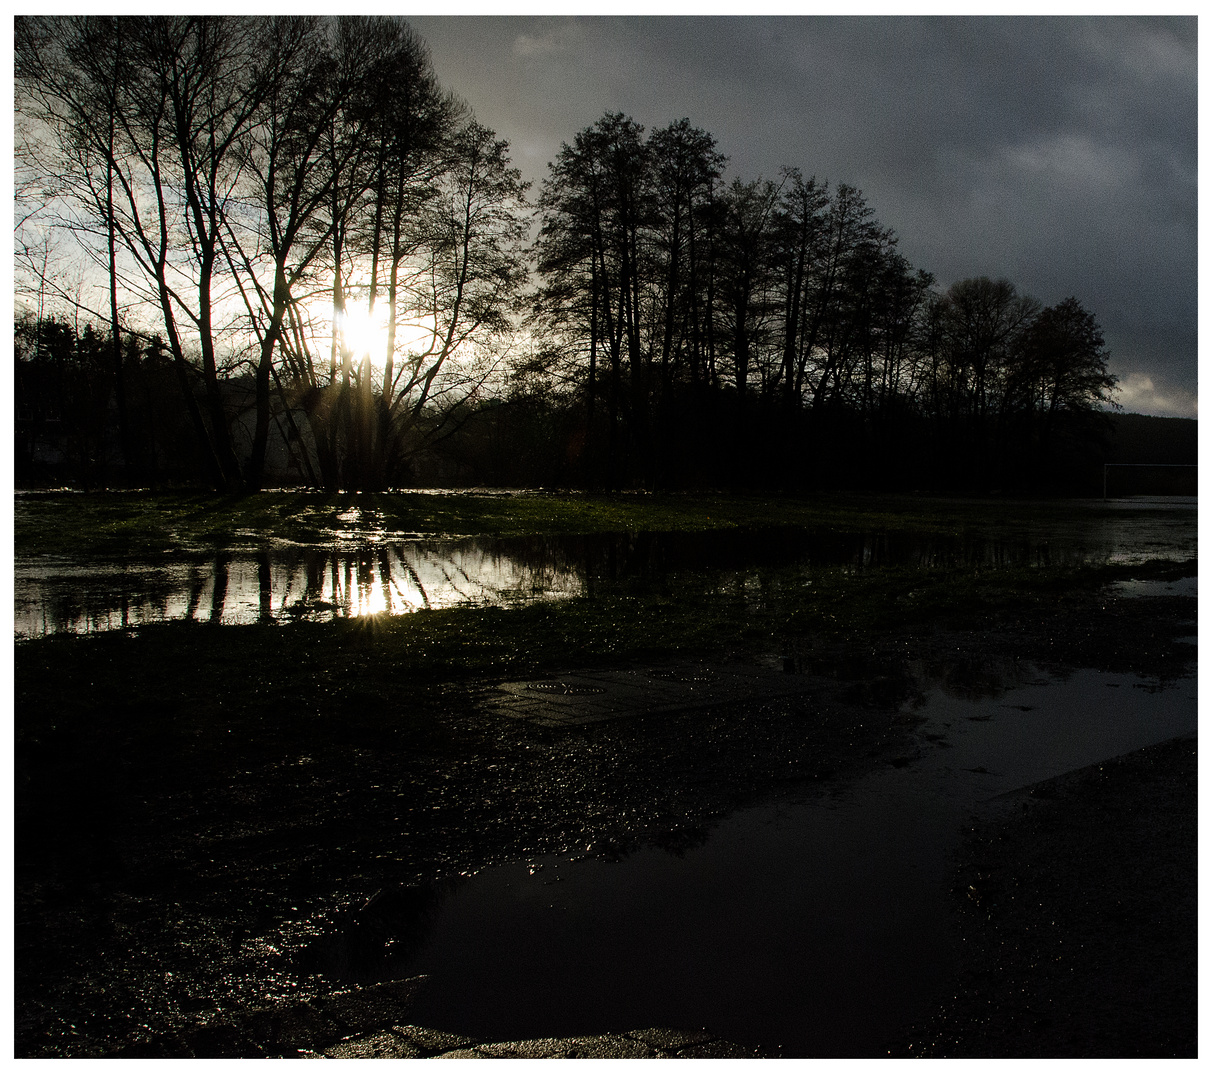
379, 574
815, 928
279, 584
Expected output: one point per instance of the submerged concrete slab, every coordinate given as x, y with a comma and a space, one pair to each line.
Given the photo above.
588, 696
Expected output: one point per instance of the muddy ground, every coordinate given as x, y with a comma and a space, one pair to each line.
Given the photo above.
170, 894
1078, 911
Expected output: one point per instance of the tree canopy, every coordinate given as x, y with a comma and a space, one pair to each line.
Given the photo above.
338, 266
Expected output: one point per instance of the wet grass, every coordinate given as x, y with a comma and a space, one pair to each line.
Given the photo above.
303, 683
306, 684
147, 525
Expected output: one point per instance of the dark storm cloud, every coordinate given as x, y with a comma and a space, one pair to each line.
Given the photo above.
1060, 153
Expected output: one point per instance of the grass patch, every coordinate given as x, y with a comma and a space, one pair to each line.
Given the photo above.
140, 524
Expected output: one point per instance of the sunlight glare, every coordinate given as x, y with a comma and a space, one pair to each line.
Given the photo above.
361, 332
364, 332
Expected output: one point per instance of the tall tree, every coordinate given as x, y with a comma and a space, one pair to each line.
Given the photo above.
412, 121
71, 72
685, 168
595, 207
976, 327
745, 273
850, 232
1062, 371
289, 187
799, 237
462, 294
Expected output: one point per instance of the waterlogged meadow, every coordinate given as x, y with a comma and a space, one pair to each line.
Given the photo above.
252, 736
89, 564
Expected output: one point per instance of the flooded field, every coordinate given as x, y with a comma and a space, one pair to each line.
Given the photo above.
811, 928
298, 811
365, 571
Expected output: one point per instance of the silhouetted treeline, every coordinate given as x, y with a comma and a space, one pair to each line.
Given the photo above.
1163, 442
771, 332
67, 433
66, 415
330, 257
1160, 440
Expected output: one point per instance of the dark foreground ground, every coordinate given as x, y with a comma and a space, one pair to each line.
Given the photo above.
1078, 912
198, 806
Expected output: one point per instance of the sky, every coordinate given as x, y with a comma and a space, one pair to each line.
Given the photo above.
1060, 153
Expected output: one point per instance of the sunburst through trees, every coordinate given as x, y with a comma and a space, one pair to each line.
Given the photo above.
335, 259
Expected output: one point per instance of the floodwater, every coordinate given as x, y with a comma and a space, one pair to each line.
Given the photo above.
365, 571
816, 928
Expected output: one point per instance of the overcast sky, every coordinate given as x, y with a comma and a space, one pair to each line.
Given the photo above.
1059, 153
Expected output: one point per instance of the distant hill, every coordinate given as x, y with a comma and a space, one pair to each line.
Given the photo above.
1153, 440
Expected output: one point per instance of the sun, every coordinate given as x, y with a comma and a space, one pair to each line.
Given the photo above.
364, 332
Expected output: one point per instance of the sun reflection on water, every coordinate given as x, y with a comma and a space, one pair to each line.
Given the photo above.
363, 569
281, 585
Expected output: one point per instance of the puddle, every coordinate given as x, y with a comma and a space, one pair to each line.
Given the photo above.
377, 574
817, 928
278, 585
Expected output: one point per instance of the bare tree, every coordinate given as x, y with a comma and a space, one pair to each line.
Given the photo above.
152, 117
464, 294
292, 175
746, 273
80, 100
596, 208
227, 171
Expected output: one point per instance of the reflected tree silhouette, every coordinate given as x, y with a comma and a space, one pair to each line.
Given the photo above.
285, 583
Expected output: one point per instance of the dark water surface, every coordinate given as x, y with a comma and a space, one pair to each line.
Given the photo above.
364, 571
814, 928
